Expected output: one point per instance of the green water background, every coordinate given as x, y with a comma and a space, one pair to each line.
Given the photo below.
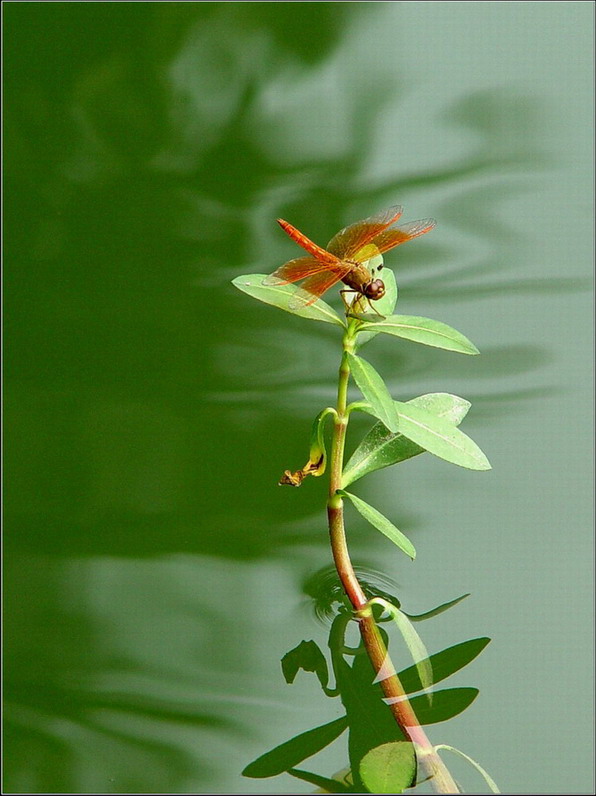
153, 569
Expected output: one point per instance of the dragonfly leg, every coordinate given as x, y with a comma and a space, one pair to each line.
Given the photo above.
374, 309
343, 298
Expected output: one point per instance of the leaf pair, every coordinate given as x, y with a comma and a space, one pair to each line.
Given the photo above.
409, 327
381, 447
426, 422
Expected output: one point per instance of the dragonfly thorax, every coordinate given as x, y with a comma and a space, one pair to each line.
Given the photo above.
359, 279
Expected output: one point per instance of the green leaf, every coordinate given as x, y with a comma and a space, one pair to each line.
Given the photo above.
297, 749
307, 656
487, 778
444, 663
373, 388
280, 296
389, 768
436, 611
445, 704
318, 452
424, 330
327, 785
440, 437
382, 448
385, 305
381, 523
413, 642
370, 719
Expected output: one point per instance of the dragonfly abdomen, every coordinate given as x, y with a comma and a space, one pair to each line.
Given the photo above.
306, 243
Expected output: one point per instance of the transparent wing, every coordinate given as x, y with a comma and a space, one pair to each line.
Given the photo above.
393, 237
352, 238
295, 270
316, 285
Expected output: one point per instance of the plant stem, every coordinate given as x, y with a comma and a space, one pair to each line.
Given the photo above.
398, 703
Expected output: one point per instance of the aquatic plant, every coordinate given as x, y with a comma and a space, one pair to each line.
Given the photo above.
385, 710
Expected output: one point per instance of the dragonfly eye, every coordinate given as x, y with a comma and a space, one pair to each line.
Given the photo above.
375, 289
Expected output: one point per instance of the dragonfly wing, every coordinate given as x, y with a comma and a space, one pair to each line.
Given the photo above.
351, 239
316, 285
295, 270
393, 237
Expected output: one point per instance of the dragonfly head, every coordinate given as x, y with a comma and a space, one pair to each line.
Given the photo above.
374, 290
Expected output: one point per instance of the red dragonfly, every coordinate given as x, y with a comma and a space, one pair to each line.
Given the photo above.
345, 257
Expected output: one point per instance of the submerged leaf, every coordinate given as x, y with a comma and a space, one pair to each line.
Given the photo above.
445, 704
382, 448
389, 768
413, 642
444, 663
373, 388
436, 611
281, 295
440, 437
426, 331
487, 778
381, 523
370, 719
294, 751
325, 784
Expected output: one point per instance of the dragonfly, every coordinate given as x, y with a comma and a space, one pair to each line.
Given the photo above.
345, 258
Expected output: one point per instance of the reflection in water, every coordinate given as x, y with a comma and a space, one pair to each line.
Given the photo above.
150, 408
326, 593
135, 697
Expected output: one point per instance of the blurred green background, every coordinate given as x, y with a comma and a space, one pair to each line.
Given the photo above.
153, 569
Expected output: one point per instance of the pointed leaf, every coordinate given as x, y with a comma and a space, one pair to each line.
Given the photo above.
373, 388
487, 778
445, 704
418, 651
297, 749
436, 611
385, 305
424, 330
382, 448
280, 296
440, 437
325, 784
444, 663
381, 523
307, 656
413, 642
389, 768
